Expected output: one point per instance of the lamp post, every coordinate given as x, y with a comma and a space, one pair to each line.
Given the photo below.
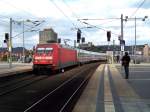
135, 41
10, 45
23, 53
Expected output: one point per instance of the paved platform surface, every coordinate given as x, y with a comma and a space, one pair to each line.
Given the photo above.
108, 91
16, 68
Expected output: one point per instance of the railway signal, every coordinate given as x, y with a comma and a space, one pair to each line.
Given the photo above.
122, 42
78, 35
83, 39
59, 40
108, 35
6, 38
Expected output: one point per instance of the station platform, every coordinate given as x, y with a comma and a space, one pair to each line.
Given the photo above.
5, 70
109, 91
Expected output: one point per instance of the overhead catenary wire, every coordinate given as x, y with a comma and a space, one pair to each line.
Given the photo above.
66, 15
135, 11
74, 14
90, 19
108, 22
99, 28
23, 23
138, 8
28, 30
147, 22
98, 19
16, 36
77, 17
70, 9
6, 17
112, 20
4, 21
62, 12
12, 5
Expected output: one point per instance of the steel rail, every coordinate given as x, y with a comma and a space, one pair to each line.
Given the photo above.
11, 89
53, 91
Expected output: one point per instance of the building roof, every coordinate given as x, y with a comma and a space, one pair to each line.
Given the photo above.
14, 50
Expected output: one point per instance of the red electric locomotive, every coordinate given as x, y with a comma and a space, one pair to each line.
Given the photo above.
53, 56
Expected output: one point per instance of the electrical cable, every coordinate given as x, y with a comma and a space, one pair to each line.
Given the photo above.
62, 12
10, 4
138, 8
91, 19
99, 28
66, 15
4, 21
73, 13
2, 16
88, 19
108, 22
16, 36
98, 19
136, 11
28, 30
70, 9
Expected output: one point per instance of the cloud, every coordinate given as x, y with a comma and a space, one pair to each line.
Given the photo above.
52, 12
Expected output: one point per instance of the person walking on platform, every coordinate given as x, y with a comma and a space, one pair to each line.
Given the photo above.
125, 62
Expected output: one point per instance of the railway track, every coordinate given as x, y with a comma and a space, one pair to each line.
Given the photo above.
15, 81
13, 85
56, 93
62, 98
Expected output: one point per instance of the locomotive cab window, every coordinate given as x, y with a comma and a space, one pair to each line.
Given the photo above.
48, 50
40, 50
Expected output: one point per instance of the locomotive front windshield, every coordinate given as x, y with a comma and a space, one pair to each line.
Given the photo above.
44, 50
40, 50
48, 50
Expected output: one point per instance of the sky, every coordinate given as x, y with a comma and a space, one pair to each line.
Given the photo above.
64, 15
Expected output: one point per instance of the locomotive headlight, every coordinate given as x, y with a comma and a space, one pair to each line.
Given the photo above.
49, 58
37, 58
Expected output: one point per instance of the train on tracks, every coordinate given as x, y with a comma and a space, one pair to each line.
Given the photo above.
54, 56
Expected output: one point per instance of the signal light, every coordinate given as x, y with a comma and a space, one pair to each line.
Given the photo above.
122, 42
83, 39
119, 37
78, 40
108, 35
78, 35
6, 36
59, 40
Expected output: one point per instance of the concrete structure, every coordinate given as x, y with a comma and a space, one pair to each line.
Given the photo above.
16, 68
146, 50
108, 91
47, 36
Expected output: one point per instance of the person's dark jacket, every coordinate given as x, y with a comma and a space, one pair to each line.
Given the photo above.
125, 60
